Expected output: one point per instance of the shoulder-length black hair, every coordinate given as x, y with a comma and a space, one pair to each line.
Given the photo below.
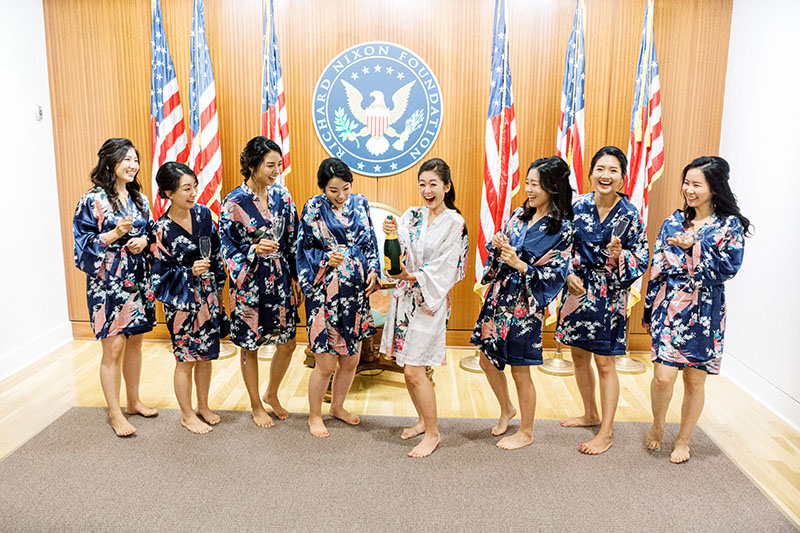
554, 180
254, 152
109, 156
442, 170
169, 177
330, 168
717, 173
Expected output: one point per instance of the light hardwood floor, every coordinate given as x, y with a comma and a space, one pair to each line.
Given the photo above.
764, 447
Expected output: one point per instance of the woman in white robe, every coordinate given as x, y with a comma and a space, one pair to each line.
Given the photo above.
434, 243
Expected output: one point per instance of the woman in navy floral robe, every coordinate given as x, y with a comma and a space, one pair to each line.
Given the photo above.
593, 317
697, 251
112, 227
526, 268
258, 232
337, 263
188, 284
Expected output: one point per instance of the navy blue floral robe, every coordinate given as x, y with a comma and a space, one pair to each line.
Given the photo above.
685, 304
509, 327
263, 304
119, 290
337, 308
596, 321
191, 303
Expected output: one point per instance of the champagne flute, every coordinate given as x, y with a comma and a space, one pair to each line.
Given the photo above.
499, 256
205, 252
334, 245
275, 232
620, 227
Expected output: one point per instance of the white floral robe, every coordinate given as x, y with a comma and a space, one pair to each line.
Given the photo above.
414, 333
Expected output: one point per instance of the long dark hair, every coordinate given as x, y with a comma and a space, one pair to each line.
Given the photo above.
254, 152
615, 152
717, 173
441, 169
554, 180
109, 156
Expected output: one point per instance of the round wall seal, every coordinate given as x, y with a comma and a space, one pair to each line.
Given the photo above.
377, 107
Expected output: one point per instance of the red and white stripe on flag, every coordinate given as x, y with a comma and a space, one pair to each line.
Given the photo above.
501, 160
206, 155
569, 143
274, 115
167, 131
646, 142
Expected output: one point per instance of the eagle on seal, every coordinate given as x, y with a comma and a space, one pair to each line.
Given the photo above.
377, 117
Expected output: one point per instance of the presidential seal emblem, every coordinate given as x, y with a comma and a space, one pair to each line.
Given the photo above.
377, 107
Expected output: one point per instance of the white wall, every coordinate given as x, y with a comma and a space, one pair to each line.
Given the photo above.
33, 315
761, 140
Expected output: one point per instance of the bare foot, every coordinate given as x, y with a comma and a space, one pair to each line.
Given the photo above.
597, 445
261, 417
195, 425
142, 410
121, 426
277, 408
345, 416
581, 421
502, 423
210, 417
317, 426
652, 440
680, 453
515, 441
414, 431
425, 446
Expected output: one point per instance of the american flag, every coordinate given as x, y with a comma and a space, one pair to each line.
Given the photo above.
646, 144
167, 133
206, 156
569, 145
501, 163
274, 117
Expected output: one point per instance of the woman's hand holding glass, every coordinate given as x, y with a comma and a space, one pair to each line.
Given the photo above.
508, 254
123, 226
336, 258
337, 251
684, 240
200, 267
614, 248
274, 234
499, 240
265, 247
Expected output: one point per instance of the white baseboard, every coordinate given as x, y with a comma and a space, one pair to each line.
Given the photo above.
779, 402
35, 349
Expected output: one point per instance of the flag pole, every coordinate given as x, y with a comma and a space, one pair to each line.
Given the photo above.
471, 363
557, 365
625, 364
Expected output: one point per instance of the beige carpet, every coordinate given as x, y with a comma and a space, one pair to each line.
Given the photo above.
77, 476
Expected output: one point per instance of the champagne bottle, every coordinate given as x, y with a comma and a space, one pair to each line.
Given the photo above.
391, 254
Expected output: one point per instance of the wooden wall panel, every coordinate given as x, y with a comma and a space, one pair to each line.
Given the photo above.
99, 65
